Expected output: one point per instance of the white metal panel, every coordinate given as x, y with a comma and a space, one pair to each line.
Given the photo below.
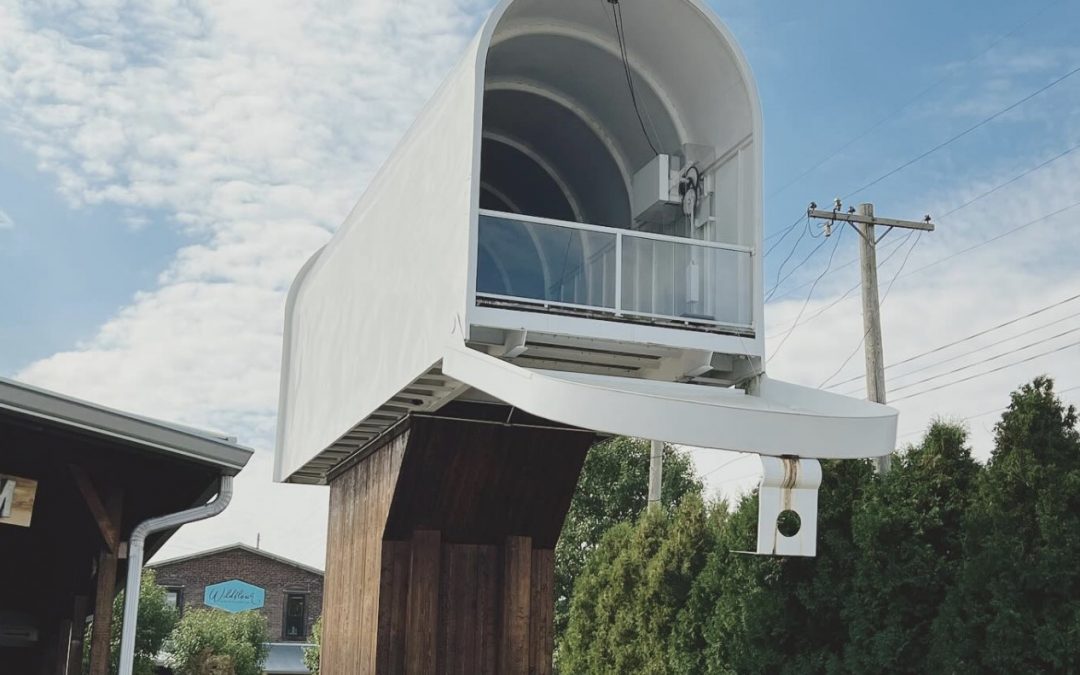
372, 311
781, 419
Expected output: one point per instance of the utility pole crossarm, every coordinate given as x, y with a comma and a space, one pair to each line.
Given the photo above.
926, 225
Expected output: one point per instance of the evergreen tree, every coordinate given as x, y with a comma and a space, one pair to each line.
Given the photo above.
632, 590
778, 615
1016, 606
908, 535
613, 489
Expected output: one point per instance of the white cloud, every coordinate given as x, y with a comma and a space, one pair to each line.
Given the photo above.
6, 221
256, 125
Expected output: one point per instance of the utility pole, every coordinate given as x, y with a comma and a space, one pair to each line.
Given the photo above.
656, 473
864, 222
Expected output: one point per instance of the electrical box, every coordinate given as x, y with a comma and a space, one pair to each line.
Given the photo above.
656, 198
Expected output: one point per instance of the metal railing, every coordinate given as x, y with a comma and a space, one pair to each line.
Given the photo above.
623, 273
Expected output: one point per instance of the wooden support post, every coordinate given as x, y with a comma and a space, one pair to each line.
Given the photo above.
516, 604
101, 634
422, 613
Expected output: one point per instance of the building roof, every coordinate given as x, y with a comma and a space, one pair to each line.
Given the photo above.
236, 547
141, 432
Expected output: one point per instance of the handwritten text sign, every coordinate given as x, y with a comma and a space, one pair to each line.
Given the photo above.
16, 500
234, 596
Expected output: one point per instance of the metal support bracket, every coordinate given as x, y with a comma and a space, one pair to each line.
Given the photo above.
788, 506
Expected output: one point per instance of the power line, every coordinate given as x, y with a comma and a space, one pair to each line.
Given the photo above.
787, 229
899, 244
895, 112
786, 232
959, 208
884, 297
1002, 355
849, 291
810, 294
725, 464
969, 338
962, 134
779, 282
989, 372
1013, 180
987, 412
954, 255
993, 239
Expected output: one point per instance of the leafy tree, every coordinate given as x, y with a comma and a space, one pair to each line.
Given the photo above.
908, 535
1016, 606
156, 622
629, 596
613, 489
213, 642
753, 614
312, 653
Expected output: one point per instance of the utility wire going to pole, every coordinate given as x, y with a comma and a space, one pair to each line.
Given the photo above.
1013, 180
779, 282
962, 134
895, 112
987, 412
810, 295
959, 208
988, 372
786, 231
951, 256
991, 240
899, 243
996, 357
794, 248
725, 465
884, 297
974, 336
849, 291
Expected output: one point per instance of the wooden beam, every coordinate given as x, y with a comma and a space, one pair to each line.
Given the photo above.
926, 225
101, 633
109, 526
422, 612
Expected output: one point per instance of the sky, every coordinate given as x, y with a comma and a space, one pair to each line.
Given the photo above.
166, 167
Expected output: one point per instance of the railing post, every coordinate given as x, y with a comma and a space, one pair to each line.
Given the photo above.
618, 273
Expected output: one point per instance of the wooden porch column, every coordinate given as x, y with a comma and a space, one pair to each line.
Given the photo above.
107, 513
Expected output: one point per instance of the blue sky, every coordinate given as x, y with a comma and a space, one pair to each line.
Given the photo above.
164, 171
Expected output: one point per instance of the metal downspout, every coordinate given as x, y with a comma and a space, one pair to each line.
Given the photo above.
135, 563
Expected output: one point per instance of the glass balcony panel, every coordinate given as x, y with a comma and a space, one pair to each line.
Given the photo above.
546, 262
686, 281
662, 277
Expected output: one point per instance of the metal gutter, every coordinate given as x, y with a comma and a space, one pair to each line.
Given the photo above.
135, 563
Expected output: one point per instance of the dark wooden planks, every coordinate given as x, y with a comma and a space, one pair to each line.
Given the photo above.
516, 606
422, 616
542, 614
478, 482
359, 503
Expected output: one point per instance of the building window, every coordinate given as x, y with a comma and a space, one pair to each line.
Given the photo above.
174, 597
295, 616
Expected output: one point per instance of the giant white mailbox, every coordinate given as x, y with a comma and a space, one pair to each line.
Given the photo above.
550, 238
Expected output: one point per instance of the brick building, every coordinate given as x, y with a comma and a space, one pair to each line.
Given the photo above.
240, 577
